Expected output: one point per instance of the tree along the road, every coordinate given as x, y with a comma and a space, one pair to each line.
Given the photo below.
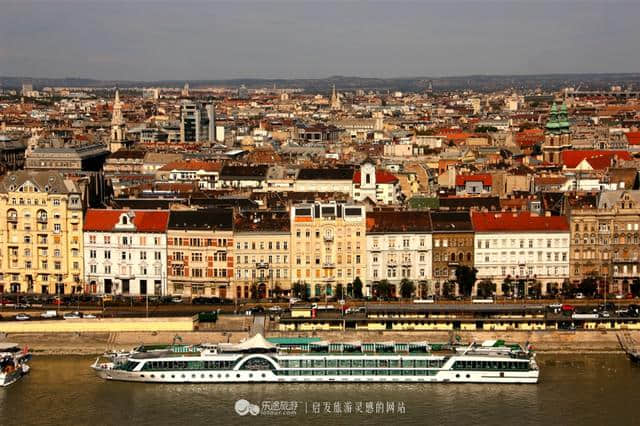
466, 277
357, 288
407, 288
299, 290
486, 288
588, 286
383, 289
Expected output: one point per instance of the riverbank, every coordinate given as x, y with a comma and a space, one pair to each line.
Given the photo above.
97, 343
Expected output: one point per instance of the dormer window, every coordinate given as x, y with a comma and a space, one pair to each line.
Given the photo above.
125, 220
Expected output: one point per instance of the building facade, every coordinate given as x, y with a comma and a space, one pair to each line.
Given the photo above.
262, 255
452, 245
524, 247
328, 246
40, 233
399, 246
199, 252
125, 251
604, 241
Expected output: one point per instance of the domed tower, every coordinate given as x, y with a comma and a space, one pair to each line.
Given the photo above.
118, 126
557, 136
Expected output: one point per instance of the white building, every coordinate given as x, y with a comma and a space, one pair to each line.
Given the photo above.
125, 251
399, 246
521, 246
379, 186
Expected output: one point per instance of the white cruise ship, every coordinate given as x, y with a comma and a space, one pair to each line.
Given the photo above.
257, 360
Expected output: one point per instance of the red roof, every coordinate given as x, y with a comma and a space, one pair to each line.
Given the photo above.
486, 179
633, 138
144, 220
571, 159
517, 222
382, 176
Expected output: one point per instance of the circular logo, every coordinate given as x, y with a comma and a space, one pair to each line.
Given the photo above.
242, 407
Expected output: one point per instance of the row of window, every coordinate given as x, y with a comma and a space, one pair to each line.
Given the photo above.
521, 243
361, 363
198, 257
124, 269
198, 242
491, 365
124, 255
269, 259
180, 271
391, 242
356, 372
187, 365
522, 256
126, 240
270, 245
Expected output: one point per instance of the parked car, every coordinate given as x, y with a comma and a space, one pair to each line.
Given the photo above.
580, 296
23, 317
48, 314
176, 299
89, 316
72, 315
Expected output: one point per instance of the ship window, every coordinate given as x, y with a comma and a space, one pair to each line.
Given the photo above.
264, 375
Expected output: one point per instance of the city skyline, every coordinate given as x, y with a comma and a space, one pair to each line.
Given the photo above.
151, 40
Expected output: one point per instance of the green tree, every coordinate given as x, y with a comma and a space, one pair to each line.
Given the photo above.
299, 290
466, 277
588, 286
383, 289
407, 288
507, 286
448, 289
567, 288
339, 291
357, 288
486, 129
486, 288
254, 291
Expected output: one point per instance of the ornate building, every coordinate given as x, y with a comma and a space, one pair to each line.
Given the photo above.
452, 245
604, 241
328, 246
262, 260
40, 233
557, 136
118, 126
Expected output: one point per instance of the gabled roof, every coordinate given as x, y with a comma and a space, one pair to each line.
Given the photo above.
486, 179
105, 220
382, 176
572, 158
518, 222
451, 221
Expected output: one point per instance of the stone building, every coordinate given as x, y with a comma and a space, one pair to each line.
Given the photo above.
40, 233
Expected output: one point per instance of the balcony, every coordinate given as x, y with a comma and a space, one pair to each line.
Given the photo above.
42, 219
12, 218
328, 265
328, 238
630, 259
262, 265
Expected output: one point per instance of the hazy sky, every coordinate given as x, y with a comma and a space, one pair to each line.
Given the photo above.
191, 39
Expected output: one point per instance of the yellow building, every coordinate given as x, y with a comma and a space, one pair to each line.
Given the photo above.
262, 257
40, 233
328, 246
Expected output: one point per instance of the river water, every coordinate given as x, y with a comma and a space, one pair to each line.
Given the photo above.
574, 390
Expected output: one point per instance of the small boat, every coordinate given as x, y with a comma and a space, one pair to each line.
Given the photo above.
13, 363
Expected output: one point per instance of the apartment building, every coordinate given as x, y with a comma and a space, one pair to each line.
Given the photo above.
262, 255
40, 233
522, 246
199, 252
328, 246
125, 251
399, 246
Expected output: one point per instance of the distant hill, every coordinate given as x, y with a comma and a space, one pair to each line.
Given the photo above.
475, 82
